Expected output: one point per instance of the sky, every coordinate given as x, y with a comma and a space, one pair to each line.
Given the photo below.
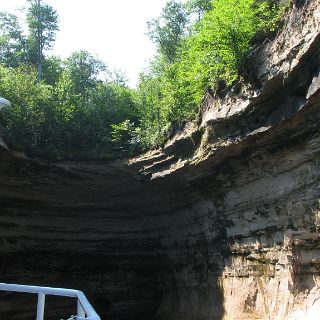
114, 30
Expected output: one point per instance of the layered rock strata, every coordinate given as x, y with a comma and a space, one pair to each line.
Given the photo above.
221, 223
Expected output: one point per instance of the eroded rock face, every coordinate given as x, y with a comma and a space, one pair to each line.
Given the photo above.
222, 223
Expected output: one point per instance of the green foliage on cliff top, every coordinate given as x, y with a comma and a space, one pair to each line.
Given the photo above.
213, 49
58, 121
81, 109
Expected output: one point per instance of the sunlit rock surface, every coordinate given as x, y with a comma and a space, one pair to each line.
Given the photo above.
222, 223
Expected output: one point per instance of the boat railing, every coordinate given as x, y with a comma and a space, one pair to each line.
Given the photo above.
85, 311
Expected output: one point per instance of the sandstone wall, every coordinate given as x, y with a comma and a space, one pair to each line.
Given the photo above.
221, 223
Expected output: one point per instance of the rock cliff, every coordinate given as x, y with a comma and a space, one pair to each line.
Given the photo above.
222, 223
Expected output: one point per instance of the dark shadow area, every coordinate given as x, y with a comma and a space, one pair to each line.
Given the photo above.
17, 306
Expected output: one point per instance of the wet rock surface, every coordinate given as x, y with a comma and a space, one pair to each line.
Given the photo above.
222, 223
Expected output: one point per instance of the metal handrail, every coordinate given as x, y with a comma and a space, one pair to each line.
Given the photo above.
85, 310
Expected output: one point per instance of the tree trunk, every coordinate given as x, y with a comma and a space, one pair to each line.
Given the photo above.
39, 41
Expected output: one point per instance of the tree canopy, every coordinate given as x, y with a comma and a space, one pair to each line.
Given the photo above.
204, 52
167, 31
79, 107
13, 44
42, 22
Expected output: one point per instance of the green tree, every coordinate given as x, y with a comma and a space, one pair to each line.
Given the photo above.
215, 50
26, 120
42, 22
168, 30
219, 46
52, 69
84, 70
152, 104
199, 7
13, 44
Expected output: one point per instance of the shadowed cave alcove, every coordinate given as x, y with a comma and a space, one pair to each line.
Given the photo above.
95, 227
